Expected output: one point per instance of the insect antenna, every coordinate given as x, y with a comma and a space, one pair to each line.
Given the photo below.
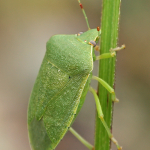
98, 29
85, 16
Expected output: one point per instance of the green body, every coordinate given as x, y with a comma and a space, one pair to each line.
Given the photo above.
60, 88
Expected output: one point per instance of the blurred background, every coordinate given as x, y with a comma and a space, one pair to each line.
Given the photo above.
26, 26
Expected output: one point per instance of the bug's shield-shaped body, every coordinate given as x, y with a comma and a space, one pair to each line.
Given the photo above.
62, 83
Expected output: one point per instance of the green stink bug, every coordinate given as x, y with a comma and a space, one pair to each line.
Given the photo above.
61, 87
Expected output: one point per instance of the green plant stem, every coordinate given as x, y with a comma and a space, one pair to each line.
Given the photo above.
109, 37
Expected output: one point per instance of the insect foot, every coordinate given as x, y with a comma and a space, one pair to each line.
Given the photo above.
117, 48
116, 143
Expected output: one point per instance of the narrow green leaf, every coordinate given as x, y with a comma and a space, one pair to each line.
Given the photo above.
109, 37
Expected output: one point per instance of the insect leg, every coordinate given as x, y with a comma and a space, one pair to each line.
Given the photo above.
81, 139
108, 87
106, 55
111, 54
101, 116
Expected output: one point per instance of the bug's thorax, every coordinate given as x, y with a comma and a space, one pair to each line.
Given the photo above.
74, 56
89, 37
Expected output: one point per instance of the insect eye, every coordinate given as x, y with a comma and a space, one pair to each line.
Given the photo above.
93, 43
80, 33
69, 77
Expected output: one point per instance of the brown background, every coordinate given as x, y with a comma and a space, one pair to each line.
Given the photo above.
25, 27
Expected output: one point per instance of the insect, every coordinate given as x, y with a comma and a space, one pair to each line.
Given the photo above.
61, 87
